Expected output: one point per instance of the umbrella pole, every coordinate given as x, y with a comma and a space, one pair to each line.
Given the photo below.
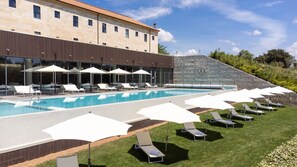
166, 137
89, 158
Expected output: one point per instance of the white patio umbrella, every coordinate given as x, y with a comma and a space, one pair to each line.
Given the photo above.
33, 69
74, 70
119, 72
141, 72
54, 69
234, 96
93, 70
169, 112
250, 94
88, 127
208, 101
284, 90
271, 90
261, 92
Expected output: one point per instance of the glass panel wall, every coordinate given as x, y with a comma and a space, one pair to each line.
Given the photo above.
18, 73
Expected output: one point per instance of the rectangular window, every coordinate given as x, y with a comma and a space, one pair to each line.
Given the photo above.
37, 33
153, 38
116, 29
12, 3
36, 12
103, 27
104, 44
127, 33
136, 33
145, 37
75, 21
90, 22
75, 39
57, 14
127, 47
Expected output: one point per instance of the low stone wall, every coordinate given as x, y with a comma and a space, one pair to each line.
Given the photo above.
203, 70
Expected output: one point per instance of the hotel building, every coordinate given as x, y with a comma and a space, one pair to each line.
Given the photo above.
70, 34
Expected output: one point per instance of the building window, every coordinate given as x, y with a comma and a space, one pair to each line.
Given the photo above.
104, 44
75, 39
90, 22
136, 33
116, 29
36, 12
153, 38
145, 50
127, 33
145, 37
103, 28
37, 33
127, 47
75, 21
57, 14
12, 3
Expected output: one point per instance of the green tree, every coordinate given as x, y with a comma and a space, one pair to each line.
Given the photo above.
162, 49
245, 54
276, 57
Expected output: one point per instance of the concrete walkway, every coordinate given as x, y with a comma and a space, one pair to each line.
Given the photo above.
26, 130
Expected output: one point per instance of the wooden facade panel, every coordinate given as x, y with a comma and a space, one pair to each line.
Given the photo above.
28, 46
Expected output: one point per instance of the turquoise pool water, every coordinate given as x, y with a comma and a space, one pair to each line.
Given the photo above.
42, 105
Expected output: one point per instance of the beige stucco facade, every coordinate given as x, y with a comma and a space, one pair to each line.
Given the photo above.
21, 20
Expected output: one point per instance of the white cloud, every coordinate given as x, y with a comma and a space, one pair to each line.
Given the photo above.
189, 52
293, 49
271, 4
254, 33
148, 13
227, 42
275, 31
236, 49
295, 21
165, 36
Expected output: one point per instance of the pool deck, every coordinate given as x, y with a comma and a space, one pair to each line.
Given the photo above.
26, 130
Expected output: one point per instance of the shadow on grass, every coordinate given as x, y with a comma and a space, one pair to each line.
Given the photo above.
174, 153
212, 123
211, 135
84, 165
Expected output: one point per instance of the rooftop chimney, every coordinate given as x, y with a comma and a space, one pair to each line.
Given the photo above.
155, 25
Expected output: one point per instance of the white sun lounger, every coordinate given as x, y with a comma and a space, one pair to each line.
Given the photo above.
104, 86
270, 103
128, 86
145, 143
218, 118
190, 128
233, 113
26, 90
246, 108
260, 106
148, 85
72, 88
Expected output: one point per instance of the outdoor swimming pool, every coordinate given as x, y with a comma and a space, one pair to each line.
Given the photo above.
43, 105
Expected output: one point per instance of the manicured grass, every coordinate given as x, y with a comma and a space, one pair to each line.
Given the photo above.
245, 145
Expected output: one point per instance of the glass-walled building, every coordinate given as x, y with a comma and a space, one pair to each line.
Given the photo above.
18, 61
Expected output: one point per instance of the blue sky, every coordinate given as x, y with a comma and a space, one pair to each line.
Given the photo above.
201, 26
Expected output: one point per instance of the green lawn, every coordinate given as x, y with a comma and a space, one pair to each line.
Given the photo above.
245, 145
